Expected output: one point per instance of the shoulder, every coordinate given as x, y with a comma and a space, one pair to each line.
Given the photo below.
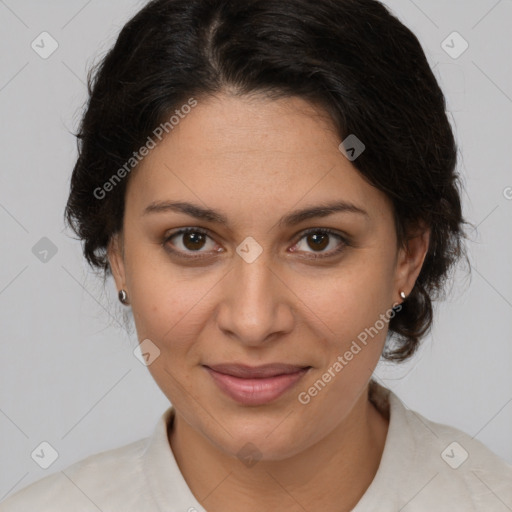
456, 469
468, 467
110, 480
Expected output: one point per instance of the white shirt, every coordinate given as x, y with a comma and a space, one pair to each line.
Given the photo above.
423, 469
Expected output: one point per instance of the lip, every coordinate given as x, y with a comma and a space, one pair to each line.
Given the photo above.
255, 385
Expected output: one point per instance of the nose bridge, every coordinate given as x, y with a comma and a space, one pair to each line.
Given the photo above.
254, 281
253, 307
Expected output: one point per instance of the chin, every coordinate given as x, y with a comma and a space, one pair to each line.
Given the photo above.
251, 450
262, 440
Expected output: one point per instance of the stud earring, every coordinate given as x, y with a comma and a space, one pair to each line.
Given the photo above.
402, 294
123, 297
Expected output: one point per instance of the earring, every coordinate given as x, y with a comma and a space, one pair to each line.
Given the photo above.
402, 294
123, 297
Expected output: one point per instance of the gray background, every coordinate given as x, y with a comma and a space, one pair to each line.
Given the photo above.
68, 374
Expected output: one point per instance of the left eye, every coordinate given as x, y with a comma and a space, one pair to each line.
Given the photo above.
319, 240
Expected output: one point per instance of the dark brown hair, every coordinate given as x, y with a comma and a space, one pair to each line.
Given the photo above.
352, 57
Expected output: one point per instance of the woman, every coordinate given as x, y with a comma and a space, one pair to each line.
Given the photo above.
272, 186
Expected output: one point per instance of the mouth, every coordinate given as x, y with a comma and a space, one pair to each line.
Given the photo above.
256, 385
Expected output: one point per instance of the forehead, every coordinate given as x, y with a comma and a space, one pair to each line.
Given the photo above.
251, 128
250, 153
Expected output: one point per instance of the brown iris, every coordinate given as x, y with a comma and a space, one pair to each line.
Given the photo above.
193, 241
319, 240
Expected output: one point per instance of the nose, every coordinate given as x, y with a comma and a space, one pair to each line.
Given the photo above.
256, 305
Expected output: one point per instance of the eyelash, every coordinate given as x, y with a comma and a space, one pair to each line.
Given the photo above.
320, 231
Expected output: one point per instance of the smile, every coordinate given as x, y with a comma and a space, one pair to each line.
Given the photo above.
246, 388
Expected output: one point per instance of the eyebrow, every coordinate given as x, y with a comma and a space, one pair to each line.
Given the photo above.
291, 219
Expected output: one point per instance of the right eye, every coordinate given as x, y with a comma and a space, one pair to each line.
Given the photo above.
189, 240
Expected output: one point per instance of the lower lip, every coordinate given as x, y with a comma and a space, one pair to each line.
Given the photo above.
255, 391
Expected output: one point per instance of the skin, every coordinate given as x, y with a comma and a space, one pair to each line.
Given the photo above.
255, 160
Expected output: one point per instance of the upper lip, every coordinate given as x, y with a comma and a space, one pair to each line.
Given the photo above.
256, 372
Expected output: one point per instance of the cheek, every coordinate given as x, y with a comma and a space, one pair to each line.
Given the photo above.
355, 311
171, 319
158, 301
349, 299
168, 318
169, 307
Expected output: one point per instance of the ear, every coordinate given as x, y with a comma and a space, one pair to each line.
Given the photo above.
115, 254
410, 259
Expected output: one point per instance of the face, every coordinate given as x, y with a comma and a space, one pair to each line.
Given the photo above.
256, 279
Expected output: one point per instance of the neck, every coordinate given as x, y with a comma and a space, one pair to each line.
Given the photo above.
331, 475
